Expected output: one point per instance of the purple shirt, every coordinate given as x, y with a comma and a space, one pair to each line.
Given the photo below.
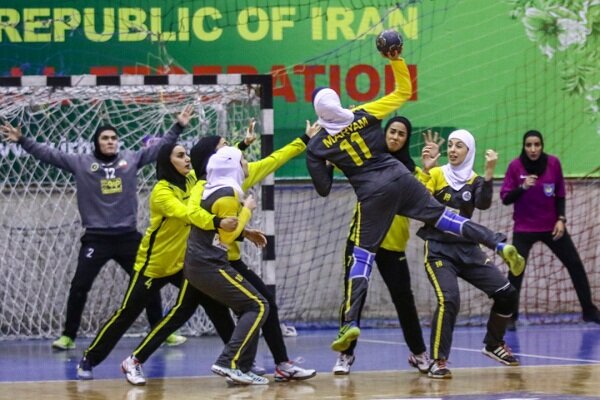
535, 210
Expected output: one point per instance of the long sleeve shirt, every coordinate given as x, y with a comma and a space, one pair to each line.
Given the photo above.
257, 171
359, 150
106, 192
535, 209
162, 248
477, 193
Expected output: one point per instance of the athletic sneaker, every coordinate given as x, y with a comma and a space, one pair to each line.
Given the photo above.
343, 364
133, 371
84, 370
348, 333
502, 354
420, 362
234, 374
290, 371
257, 369
439, 370
257, 379
592, 316
510, 255
175, 340
63, 343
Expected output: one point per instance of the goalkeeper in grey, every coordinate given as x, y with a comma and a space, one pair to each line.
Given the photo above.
106, 182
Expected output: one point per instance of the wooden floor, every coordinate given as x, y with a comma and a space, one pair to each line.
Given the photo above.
581, 381
558, 362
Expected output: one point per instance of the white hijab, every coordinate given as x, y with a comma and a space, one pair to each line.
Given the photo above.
458, 176
224, 169
332, 116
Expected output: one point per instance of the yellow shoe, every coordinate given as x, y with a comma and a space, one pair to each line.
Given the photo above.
175, 340
515, 262
63, 343
348, 333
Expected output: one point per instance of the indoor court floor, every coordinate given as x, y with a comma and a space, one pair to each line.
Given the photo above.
558, 362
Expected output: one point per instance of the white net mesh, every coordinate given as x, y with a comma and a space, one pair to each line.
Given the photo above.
311, 234
40, 225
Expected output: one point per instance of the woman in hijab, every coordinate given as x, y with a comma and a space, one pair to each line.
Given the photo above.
391, 261
159, 261
184, 308
207, 266
449, 256
534, 183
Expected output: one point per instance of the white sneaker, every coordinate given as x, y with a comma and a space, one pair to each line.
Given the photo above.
420, 362
343, 364
257, 379
236, 375
132, 369
288, 330
290, 371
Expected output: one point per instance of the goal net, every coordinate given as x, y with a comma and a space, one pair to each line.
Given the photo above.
487, 70
39, 221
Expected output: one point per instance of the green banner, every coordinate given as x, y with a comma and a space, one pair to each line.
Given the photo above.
496, 68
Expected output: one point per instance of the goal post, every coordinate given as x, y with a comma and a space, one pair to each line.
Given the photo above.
40, 224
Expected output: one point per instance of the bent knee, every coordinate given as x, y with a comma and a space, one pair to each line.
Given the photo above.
505, 300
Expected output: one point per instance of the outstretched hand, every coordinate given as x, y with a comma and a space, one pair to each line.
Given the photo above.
491, 158
185, 115
250, 202
11, 133
250, 134
431, 150
256, 236
312, 130
392, 54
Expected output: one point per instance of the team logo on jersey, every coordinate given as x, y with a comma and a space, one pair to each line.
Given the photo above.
122, 164
94, 167
466, 196
549, 189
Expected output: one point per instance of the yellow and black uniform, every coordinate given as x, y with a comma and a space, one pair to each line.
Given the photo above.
448, 257
187, 300
393, 267
207, 266
383, 185
159, 260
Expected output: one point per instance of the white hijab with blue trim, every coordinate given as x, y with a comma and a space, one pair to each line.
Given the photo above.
458, 176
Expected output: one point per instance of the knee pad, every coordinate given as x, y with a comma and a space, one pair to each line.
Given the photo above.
505, 300
450, 222
362, 263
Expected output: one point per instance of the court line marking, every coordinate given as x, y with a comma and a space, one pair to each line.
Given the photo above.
375, 341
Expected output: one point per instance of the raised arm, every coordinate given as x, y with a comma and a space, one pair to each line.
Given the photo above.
149, 154
389, 103
42, 152
259, 170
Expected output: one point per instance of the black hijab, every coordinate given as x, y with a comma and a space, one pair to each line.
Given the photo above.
535, 167
165, 168
403, 155
201, 152
97, 153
